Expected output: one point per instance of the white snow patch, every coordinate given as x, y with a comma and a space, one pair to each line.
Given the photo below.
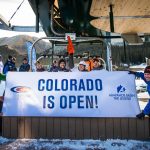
142, 104
67, 144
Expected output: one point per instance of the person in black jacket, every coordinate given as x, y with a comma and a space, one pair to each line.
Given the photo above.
39, 67
25, 67
62, 66
97, 64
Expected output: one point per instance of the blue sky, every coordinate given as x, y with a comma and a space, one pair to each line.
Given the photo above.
24, 16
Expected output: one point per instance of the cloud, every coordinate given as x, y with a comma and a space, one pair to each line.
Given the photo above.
23, 17
5, 33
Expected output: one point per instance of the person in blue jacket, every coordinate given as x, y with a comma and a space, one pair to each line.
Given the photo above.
25, 67
10, 65
146, 77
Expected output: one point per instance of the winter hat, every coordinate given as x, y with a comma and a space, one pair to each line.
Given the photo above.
147, 69
95, 59
25, 59
10, 57
62, 60
82, 63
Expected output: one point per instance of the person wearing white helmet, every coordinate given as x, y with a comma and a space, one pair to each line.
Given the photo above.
82, 66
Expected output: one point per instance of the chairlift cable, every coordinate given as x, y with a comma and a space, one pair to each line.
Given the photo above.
16, 11
59, 24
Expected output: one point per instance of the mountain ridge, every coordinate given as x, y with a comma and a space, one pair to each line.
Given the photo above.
18, 43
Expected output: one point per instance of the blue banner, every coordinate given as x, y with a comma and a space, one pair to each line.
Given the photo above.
29, 46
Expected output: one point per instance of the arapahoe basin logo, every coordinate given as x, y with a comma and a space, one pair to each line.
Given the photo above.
122, 94
20, 89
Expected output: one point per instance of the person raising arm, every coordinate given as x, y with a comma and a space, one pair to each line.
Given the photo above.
146, 77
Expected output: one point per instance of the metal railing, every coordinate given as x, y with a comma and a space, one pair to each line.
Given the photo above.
78, 40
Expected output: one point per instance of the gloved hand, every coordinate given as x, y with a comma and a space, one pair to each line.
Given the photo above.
132, 72
141, 115
2, 77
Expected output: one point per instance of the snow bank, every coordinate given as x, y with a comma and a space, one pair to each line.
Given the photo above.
66, 144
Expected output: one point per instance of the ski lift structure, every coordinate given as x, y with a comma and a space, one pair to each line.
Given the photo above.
78, 40
78, 57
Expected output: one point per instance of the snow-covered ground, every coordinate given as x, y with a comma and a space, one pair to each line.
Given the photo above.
142, 104
66, 144
2, 87
138, 67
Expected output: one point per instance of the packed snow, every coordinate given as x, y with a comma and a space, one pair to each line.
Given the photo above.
66, 144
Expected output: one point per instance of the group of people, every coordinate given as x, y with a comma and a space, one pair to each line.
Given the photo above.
10, 65
60, 66
90, 65
83, 66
